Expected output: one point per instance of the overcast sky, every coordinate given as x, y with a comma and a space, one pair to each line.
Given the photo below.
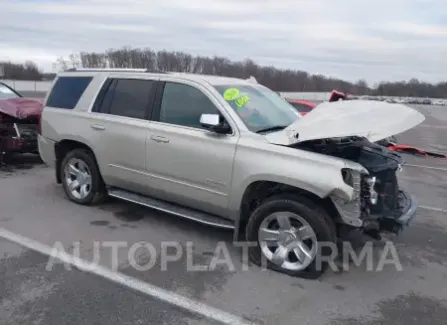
350, 39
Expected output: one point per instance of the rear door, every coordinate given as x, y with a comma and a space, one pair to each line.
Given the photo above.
120, 115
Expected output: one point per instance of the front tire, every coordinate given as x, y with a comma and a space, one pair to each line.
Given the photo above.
293, 234
81, 178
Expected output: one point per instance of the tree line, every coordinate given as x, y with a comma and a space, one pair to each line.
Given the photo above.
20, 71
284, 80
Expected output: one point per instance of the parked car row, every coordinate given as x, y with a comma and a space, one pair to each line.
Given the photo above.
407, 100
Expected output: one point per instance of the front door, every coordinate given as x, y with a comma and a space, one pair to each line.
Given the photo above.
186, 163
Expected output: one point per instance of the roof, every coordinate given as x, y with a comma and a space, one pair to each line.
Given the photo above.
211, 79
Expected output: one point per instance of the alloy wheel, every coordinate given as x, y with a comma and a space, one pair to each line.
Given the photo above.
78, 178
287, 240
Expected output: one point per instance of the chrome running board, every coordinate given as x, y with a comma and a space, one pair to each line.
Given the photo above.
175, 209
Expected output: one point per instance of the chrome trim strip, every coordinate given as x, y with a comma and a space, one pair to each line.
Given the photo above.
169, 180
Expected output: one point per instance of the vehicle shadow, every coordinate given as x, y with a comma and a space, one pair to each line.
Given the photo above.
12, 163
208, 241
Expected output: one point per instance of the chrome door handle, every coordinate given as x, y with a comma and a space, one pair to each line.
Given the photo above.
97, 126
159, 139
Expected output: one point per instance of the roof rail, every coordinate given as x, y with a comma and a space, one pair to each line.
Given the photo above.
157, 71
252, 80
108, 69
115, 70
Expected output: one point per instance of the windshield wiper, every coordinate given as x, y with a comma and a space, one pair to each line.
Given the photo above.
272, 128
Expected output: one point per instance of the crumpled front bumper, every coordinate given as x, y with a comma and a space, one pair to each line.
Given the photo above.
398, 222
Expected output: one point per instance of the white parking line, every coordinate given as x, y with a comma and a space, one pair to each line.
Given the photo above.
432, 126
172, 298
432, 208
423, 166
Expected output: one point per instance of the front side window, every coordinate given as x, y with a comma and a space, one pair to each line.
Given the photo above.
183, 105
259, 107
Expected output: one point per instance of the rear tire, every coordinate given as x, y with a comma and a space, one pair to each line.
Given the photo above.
81, 178
311, 230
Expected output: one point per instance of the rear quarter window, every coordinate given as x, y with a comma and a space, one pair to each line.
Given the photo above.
67, 91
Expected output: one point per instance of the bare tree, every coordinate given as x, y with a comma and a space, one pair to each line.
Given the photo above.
61, 64
276, 79
75, 61
26, 71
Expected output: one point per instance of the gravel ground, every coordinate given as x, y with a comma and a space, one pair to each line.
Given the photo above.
33, 206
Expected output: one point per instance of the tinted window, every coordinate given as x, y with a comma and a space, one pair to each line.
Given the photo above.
104, 98
131, 97
183, 105
67, 91
301, 107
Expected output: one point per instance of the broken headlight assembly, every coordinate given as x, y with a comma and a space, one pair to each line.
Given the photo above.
370, 183
361, 183
347, 201
353, 179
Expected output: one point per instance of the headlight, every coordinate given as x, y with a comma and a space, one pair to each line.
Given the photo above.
373, 196
352, 178
348, 176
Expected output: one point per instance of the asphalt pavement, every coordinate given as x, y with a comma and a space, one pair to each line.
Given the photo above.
38, 217
31, 293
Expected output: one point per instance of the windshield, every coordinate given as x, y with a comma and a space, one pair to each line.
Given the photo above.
6, 92
259, 107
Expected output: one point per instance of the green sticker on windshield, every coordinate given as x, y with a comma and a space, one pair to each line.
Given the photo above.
241, 101
231, 93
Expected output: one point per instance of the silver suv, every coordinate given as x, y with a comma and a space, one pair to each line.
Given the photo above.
229, 153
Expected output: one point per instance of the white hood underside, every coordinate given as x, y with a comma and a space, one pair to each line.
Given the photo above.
374, 120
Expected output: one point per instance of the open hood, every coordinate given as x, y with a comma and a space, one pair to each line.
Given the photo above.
373, 120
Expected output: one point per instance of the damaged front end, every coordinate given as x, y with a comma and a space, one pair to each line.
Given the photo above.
19, 122
17, 137
378, 200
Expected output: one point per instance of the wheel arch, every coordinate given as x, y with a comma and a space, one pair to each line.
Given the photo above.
65, 146
256, 192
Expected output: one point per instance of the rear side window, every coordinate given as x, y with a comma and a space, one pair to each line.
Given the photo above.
67, 91
126, 97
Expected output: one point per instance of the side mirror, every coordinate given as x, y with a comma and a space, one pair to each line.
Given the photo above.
215, 123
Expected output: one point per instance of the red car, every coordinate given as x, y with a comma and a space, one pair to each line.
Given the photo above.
302, 106
305, 107
19, 121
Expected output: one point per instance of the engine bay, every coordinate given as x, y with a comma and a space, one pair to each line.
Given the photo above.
373, 157
380, 193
